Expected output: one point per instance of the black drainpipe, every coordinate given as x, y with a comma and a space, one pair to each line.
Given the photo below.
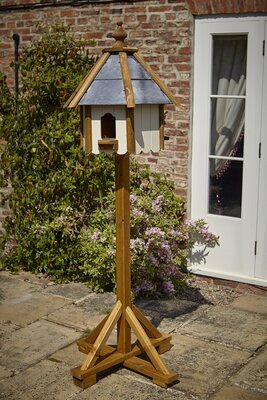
16, 46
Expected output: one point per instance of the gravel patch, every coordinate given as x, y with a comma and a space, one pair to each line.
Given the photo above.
202, 292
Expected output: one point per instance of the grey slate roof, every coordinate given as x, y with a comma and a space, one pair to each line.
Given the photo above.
107, 87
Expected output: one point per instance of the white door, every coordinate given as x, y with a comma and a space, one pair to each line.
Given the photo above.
229, 147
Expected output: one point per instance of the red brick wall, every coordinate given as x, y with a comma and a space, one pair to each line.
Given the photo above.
206, 7
161, 29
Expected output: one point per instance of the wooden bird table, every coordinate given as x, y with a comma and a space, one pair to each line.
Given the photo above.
150, 341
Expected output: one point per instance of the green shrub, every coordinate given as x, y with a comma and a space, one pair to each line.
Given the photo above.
161, 238
63, 216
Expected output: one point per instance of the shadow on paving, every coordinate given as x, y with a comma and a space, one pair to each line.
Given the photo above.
184, 303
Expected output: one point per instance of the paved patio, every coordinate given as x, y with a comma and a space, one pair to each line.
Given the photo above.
219, 351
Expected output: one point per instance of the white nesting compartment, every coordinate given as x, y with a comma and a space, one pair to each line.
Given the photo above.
119, 112
146, 126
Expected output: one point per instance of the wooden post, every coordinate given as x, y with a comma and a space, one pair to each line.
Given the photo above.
100, 356
123, 272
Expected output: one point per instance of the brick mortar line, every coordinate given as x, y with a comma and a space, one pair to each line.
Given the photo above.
71, 3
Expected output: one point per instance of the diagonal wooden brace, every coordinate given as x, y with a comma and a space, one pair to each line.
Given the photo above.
103, 336
149, 328
145, 342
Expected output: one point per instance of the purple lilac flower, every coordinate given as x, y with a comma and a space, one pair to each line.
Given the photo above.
171, 270
95, 236
157, 204
154, 231
190, 223
136, 213
145, 287
133, 198
168, 287
178, 235
137, 244
153, 260
165, 251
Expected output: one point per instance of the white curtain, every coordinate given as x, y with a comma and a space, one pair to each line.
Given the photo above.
228, 114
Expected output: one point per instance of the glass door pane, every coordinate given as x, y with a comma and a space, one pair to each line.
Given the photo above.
228, 94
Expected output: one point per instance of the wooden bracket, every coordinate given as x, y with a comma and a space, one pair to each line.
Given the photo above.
108, 145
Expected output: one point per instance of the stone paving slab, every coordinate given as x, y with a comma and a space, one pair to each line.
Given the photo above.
6, 328
169, 325
76, 317
30, 307
46, 380
98, 303
29, 345
5, 373
230, 326
251, 303
202, 366
12, 287
69, 355
73, 290
119, 387
254, 374
229, 392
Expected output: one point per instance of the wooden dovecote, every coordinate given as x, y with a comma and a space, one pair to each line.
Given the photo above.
121, 102
121, 85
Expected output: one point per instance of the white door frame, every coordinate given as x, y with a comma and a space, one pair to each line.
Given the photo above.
235, 258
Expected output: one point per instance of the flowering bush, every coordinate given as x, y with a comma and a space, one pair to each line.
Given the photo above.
161, 238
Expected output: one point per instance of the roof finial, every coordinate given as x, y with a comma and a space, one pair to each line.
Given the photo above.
119, 35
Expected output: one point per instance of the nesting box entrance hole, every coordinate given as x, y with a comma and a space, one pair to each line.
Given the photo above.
108, 140
108, 126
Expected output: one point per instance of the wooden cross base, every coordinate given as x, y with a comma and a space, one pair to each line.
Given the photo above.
101, 357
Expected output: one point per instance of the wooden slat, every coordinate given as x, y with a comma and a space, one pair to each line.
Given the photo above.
145, 342
103, 336
158, 81
81, 127
85, 348
126, 77
145, 368
114, 359
161, 126
88, 130
150, 329
86, 82
130, 130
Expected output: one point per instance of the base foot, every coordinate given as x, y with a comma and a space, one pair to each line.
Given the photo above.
86, 382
